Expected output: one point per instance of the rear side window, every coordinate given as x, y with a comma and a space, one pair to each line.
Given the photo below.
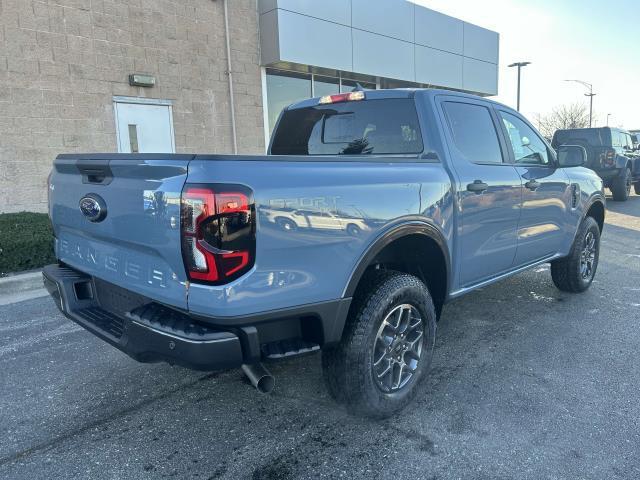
474, 132
386, 126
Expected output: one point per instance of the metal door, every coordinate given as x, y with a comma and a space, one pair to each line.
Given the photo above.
489, 190
144, 127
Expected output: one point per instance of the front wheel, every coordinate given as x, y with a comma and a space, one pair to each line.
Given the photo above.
576, 272
621, 185
636, 187
387, 346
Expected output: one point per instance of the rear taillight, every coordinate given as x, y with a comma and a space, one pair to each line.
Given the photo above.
218, 232
608, 157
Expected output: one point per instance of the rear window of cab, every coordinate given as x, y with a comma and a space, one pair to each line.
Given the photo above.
367, 127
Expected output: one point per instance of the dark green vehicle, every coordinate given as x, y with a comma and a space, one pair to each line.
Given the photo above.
611, 153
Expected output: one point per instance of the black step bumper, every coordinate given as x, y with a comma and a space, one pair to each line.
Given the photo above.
148, 332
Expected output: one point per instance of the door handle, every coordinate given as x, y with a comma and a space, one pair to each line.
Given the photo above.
478, 186
532, 185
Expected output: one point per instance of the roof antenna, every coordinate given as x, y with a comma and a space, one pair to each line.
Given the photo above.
358, 88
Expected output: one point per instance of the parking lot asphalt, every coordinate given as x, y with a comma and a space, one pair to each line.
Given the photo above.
527, 382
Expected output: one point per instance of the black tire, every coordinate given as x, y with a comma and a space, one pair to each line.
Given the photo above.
332, 371
348, 367
621, 186
567, 273
636, 187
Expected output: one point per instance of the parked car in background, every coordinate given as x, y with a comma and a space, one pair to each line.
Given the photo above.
611, 153
371, 211
314, 218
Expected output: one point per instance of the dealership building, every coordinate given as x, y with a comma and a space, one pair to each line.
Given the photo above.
194, 76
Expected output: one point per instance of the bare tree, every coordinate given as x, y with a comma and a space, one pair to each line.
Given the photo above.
573, 115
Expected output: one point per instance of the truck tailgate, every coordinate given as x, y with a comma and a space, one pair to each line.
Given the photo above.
136, 244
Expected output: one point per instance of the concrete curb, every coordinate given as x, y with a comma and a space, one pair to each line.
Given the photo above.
21, 283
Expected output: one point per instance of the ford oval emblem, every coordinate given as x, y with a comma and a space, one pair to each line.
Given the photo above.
93, 207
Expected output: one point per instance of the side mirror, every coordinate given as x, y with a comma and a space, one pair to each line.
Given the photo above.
571, 156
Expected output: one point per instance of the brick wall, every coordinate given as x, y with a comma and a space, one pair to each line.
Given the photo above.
62, 61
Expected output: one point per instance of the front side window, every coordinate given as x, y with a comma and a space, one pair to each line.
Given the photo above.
385, 126
528, 147
473, 131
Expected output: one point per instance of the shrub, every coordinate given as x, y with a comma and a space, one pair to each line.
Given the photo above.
26, 242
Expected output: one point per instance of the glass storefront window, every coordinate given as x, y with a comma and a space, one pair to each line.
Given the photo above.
283, 89
325, 86
398, 84
349, 85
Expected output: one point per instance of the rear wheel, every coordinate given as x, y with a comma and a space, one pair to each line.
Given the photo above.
621, 185
386, 349
576, 272
636, 187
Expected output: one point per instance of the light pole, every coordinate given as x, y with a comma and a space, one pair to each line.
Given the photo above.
519, 65
590, 95
608, 115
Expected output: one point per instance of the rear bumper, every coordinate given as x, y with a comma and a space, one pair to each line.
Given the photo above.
147, 333
151, 332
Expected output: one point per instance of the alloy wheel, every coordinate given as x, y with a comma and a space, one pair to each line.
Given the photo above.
588, 256
397, 348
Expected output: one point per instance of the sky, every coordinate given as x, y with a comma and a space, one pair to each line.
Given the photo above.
597, 41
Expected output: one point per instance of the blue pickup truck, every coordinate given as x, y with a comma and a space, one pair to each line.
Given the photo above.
372, 210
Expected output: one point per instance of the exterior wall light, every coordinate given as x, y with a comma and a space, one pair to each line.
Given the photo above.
141, 80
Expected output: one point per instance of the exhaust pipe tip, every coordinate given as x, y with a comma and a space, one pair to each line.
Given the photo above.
259, 377
266, 384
